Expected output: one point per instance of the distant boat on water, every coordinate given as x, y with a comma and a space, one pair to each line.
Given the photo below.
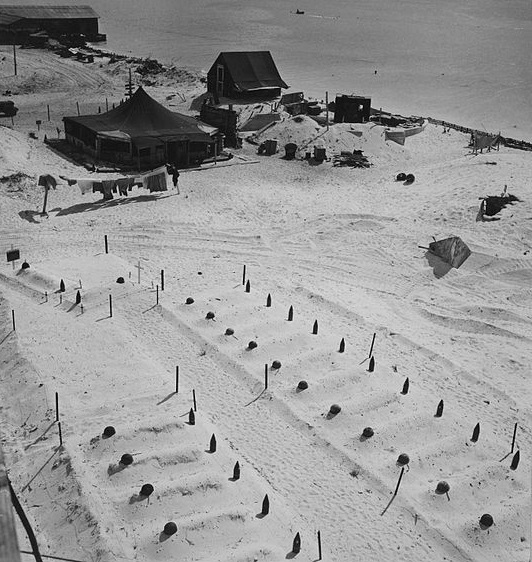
300, 11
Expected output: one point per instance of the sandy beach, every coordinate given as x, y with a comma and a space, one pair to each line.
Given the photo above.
341, 246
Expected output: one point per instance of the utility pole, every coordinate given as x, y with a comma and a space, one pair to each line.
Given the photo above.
129, 86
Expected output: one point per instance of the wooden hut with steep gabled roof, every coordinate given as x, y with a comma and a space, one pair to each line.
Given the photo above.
244, 73
141, 132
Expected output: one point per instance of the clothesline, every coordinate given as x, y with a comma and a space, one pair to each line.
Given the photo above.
154, 180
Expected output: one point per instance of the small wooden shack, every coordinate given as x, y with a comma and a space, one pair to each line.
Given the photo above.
351, 109
243, 74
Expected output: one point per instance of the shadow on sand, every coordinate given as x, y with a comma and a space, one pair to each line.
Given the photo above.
103, 204
439, 267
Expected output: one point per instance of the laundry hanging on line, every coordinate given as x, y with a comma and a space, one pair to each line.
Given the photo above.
154, 180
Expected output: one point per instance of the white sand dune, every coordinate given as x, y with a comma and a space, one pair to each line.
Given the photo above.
340, 246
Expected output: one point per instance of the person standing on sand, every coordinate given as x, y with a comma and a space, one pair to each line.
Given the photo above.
174, 172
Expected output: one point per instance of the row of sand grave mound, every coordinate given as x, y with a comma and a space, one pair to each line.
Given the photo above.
307, 133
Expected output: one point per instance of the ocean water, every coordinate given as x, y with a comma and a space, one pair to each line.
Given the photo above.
465, 61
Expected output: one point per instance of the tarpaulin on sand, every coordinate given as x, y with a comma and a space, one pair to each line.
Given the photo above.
451, 250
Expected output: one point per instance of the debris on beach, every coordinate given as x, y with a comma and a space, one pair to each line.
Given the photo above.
451, 250
355, 159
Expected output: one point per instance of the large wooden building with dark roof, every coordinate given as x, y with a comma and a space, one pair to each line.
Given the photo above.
17, 22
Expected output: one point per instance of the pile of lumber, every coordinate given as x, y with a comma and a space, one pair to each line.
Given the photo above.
353, 159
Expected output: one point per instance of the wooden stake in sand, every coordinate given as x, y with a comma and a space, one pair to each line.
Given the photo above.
194, 400
60, 434
13, 319
372, 342
265, 376
138, 266
25, 522
439, 410
212, 444
315, 328
515, 461
268, 300
157, 294
15, 59
162, 279
236, 471
265, 505
290, 313
77, 106
61, 286
476, 433
48, 111
191, 417
248, 286
399, 481
244, 276
406, 386
342, 346
371, 366
513, 438
106, 244
296, 545
56, 406
176, 379
110, 306
78, 298
319, 545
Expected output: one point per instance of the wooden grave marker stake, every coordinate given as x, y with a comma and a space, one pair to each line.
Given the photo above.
372, 343
476, 433
513, 438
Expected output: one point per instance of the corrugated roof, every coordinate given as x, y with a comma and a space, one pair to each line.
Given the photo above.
46, 12
8, 19
251, 70
141, 117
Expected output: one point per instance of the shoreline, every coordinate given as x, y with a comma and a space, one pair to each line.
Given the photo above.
151, 69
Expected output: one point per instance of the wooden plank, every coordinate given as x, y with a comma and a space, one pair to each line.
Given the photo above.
9, 550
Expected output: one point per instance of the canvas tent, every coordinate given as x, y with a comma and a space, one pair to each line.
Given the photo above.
241, 73
143, 132
451, 250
